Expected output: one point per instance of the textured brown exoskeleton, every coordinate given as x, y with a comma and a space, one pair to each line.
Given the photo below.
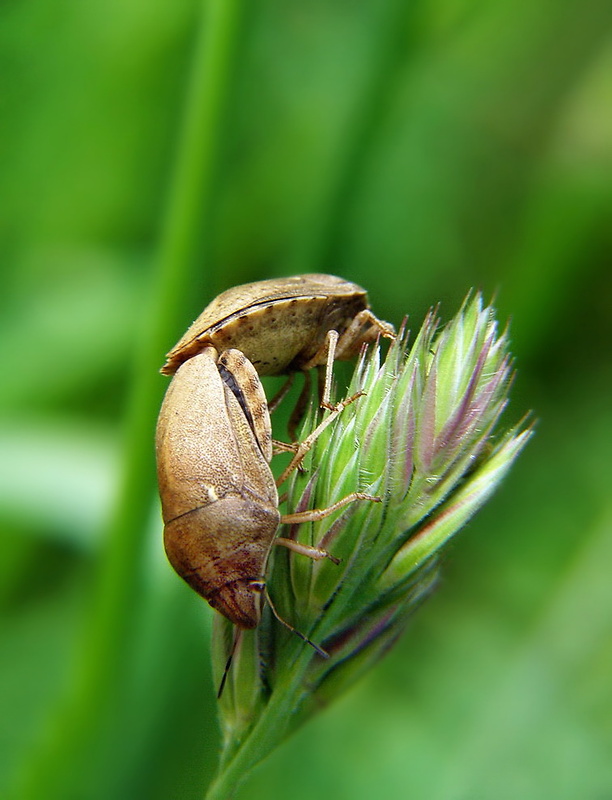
281, 325
219, 497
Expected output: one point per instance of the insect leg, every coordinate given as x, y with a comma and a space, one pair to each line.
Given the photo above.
317, 553
332, 341
300, 408
364, 327
304, 446
278, 398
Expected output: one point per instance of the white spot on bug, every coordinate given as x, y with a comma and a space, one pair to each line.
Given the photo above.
212, 493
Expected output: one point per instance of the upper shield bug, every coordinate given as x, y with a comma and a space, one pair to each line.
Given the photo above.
281, 325
219, 497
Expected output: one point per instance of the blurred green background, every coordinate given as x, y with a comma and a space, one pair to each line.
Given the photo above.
417, 148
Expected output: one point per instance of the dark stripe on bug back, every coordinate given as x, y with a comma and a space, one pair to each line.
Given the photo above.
230, 382
242, 380
246, 388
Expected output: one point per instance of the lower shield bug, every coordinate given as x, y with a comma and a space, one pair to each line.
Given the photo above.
219, 498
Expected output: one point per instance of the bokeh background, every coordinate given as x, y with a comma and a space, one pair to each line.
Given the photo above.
417, 148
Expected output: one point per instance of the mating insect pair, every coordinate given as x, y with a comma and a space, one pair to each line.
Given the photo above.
214, 437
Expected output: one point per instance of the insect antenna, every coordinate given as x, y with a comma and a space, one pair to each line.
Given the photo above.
304, 638
228, 663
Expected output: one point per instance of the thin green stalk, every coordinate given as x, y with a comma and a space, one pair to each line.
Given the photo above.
265, 735
104, 649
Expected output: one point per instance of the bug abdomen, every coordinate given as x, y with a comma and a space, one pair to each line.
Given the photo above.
220, 550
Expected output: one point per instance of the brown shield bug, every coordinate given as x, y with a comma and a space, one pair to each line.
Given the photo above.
219, 498
281, 324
